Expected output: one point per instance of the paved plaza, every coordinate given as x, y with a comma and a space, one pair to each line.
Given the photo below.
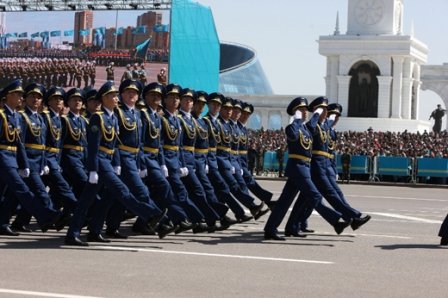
395, 255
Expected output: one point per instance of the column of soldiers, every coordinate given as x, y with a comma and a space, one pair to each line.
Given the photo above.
145, 151
62, 72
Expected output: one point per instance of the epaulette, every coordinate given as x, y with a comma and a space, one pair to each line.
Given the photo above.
144, 109
99, 112
46, 111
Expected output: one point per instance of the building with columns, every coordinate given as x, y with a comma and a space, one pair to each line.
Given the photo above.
374, 70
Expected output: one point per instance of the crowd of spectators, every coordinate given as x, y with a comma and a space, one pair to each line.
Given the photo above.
368, 143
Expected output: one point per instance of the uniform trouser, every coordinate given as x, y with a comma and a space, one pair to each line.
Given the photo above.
130, 177
311, 197
226, 173
197, 194
255, 188
61, 191
164, 195
193, 212
223, 192
119, 191
356, 213
20, 191
77, 177
37, 186
220, 208
443, 232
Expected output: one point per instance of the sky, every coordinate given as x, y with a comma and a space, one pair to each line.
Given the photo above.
284, 33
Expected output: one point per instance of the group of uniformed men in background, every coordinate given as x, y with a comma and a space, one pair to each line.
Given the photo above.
62, 72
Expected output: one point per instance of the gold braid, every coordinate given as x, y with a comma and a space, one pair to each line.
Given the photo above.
170, 133
35, 131
9, 135
191, 133
56, 133
151, 126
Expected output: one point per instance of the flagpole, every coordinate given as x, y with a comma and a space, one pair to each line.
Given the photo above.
116, 29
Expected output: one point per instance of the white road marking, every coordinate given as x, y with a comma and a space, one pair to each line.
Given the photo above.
396, 198
136, 249
42, 294
411, 218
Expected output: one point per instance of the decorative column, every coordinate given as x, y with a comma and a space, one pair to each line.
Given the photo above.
384, 83
397, 86
264, 118
332, 91
343, 87
417, 84
406, 104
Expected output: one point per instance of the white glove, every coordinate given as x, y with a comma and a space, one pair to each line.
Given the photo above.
117, 170
164, 170
332, 117
241, 172
337, 177
24, 173
183, 172
298, 114
143, 173
46, 170
206, 169
93, 178
319, 111
233, 170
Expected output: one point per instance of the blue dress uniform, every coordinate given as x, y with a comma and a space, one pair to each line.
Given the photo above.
12, 158
252, 184
214, 175
171, 137
319, 167
297, 170
192, 183
101, 139
59, 188
74, 147
152, 159
200, 157
33, 135
89, 94
129, 144
225, 164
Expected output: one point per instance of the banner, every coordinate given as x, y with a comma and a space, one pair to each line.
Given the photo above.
85, 32
23, 34
55, 33
160, 28
34, 35
98, 37
142, 49
69, 32
139, 30
45, 39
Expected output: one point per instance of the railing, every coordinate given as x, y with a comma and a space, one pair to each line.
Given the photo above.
378, 167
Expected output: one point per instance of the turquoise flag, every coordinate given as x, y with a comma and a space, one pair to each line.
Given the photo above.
139, 30
142, 49
69, 32
55, 33
23, 34
34, 35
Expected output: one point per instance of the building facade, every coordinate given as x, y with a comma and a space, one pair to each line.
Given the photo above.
83, 21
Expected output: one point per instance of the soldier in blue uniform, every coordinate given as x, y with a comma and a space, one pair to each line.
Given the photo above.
129, 145
33, 135
214, 102
153, 167
101, 139
334, 112
60, 190
194, 186
74, 142
92, 104
224, 155
320, 167
300, 141
252, 184
171, 137
15, 166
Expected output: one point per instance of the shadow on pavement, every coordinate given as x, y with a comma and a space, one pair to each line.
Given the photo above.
410, 246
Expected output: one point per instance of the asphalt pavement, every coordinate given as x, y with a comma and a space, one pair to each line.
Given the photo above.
396, 254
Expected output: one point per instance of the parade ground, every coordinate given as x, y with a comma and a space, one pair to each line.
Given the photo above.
396, 254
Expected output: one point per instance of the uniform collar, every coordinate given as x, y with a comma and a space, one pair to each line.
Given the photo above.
74, 115
56, 114
109, 112
12, 111
31, 111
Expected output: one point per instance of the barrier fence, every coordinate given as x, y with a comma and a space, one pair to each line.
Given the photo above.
378, 167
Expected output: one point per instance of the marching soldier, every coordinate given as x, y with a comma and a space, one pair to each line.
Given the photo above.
101, 140
91, 102
15, 166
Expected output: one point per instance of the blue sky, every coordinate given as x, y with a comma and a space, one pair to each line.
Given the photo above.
284, 34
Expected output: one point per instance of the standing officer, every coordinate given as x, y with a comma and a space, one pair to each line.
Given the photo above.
154, 170
101, 140
110, 72
297, 170
15, 166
